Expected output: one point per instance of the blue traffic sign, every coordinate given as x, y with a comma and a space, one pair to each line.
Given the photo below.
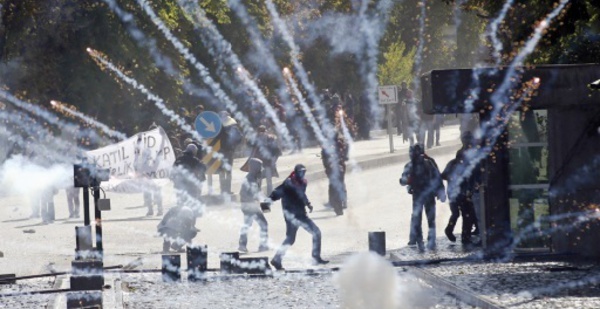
208, 124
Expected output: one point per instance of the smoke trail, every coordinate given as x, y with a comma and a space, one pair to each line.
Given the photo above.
160, 60
129, 21
475, 86
457, 13
60, 150
327, 128
419, 54
299, 68
36, 110
250, 133
494, 127
493, 30
350, 141
533, 230
306, 110
50, 118
263, 53
266, 58
578, 179
158, 102
100, 125
371, 38
222, 48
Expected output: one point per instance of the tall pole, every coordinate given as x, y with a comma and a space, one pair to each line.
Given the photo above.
86, 206
389, 127
98, 216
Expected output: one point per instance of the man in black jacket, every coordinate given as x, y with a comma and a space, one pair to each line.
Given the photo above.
461, 202
292, 193
188, 175
424, 182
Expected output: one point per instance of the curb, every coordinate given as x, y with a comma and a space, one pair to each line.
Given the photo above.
450, 288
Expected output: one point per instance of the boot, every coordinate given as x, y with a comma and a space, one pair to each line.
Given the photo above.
318, 260
276, 264
448, 232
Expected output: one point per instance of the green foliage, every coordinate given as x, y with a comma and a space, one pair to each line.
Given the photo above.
404, 26
43, 42
218, 9
573, 37
397, 66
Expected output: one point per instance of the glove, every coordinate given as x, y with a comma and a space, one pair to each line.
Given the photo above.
310, 208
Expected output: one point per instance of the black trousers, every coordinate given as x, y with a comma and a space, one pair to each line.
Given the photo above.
467, 211
292, 223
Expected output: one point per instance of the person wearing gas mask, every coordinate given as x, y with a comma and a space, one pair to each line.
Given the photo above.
294, 201
424, 182
250, 195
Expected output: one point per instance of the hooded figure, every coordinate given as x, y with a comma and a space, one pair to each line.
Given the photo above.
292, 193
424, 182
250, 196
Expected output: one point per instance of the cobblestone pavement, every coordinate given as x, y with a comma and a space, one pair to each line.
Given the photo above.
544, 284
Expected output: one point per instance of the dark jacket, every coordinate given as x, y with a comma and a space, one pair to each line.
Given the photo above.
454, 171
190, 163
292, 193
266, 149
423, 177
179, 221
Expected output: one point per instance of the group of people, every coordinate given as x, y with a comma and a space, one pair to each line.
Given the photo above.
412, 123
178, 225
424, 182
294, 201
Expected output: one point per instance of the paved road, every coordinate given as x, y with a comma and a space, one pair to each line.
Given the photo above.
376, 203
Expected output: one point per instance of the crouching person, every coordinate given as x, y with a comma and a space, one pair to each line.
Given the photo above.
178, 228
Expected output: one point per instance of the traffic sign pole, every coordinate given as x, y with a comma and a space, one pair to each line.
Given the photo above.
389, 95
389, 127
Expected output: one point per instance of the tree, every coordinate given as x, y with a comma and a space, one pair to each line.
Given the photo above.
397, 66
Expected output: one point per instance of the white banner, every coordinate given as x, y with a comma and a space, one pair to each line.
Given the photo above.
145, 155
